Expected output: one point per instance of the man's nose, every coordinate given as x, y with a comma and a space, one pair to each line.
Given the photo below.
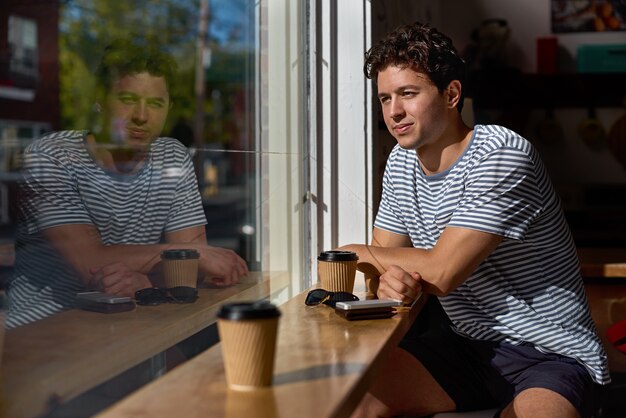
140, 113
396, 110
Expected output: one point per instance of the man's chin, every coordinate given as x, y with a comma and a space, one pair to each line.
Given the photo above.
408, 145
137, 143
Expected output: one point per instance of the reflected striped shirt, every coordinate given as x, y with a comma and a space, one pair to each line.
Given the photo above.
529, 289
63, 185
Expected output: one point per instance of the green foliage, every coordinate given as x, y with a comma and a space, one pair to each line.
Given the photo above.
87, 26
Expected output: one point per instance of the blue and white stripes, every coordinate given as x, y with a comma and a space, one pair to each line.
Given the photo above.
529, 289
63, 185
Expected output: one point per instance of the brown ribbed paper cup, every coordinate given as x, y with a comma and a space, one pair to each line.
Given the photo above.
336, 270
248, 332
180, 267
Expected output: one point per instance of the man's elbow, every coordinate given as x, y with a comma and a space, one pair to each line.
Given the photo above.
444, 283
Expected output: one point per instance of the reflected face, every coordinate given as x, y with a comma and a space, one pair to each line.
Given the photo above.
137, 107
414, 111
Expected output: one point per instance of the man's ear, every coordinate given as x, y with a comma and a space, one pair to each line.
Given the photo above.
453, 93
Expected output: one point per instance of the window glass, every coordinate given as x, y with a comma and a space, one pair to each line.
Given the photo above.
22, 37
126, 129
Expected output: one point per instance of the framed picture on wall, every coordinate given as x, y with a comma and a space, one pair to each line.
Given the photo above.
588, 15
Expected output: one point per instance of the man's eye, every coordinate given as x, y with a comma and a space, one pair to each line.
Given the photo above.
409, 93
127, 99
156, 104
384, 99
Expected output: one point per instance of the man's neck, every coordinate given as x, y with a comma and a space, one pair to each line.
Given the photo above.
443, 153
119, 160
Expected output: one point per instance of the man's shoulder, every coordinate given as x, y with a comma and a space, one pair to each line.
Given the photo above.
401, 155
497, 136
169, 146
490, 140
57, 141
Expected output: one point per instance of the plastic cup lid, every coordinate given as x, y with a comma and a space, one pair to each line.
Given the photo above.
248, 310
336, 255
179, 254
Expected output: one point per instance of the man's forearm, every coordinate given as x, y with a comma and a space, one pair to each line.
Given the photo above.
443, 268
374, 260
81, 247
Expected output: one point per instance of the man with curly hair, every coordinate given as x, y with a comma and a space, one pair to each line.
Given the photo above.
468, 215
99, 205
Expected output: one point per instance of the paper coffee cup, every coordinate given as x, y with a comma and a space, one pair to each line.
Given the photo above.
248, 332
336, 270
180, 267
254, 403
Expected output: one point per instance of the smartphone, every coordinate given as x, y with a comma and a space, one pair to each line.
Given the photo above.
367, 304
102, 297
367, 309
104, 302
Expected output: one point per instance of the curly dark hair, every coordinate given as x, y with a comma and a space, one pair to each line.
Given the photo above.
134, 55
421, 48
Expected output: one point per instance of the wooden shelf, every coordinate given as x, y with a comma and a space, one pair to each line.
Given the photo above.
512, 89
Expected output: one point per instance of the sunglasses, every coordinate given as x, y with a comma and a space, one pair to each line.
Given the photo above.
153, 296
319, 296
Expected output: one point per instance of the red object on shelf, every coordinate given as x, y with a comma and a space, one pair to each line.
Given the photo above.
616, 334
547, 55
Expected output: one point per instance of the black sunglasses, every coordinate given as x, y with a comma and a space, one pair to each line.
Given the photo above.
155, 296
319, 296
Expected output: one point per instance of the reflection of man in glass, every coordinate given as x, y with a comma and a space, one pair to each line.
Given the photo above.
99, 206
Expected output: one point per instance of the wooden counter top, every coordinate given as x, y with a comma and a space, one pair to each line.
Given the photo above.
602, 262
53, 360
596, 262
324, 364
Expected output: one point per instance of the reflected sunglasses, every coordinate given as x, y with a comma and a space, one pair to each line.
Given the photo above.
153, 296
319, 296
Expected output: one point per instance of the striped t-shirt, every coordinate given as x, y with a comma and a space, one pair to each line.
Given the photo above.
63, 185
530, 288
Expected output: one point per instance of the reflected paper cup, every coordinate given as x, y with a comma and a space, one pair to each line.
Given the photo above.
248, 332
336, 270
180, 267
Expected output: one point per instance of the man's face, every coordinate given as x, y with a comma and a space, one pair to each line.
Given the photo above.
414, 111
137, 108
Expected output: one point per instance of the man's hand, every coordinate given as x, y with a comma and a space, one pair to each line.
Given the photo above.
400, 285
118, 279
220, 266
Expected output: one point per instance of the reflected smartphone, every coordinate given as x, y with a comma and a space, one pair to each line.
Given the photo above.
104, 302
367, 309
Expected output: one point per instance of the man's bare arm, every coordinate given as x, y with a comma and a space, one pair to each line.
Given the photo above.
81, 246
380, 238
222, 267
449, 263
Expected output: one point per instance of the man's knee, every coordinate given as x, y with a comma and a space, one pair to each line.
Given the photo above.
403, 386
539, 403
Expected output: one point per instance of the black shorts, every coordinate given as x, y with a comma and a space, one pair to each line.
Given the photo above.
485, 374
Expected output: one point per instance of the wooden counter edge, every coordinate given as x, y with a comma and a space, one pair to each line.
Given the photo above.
354, 397
348, 402
44, 393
